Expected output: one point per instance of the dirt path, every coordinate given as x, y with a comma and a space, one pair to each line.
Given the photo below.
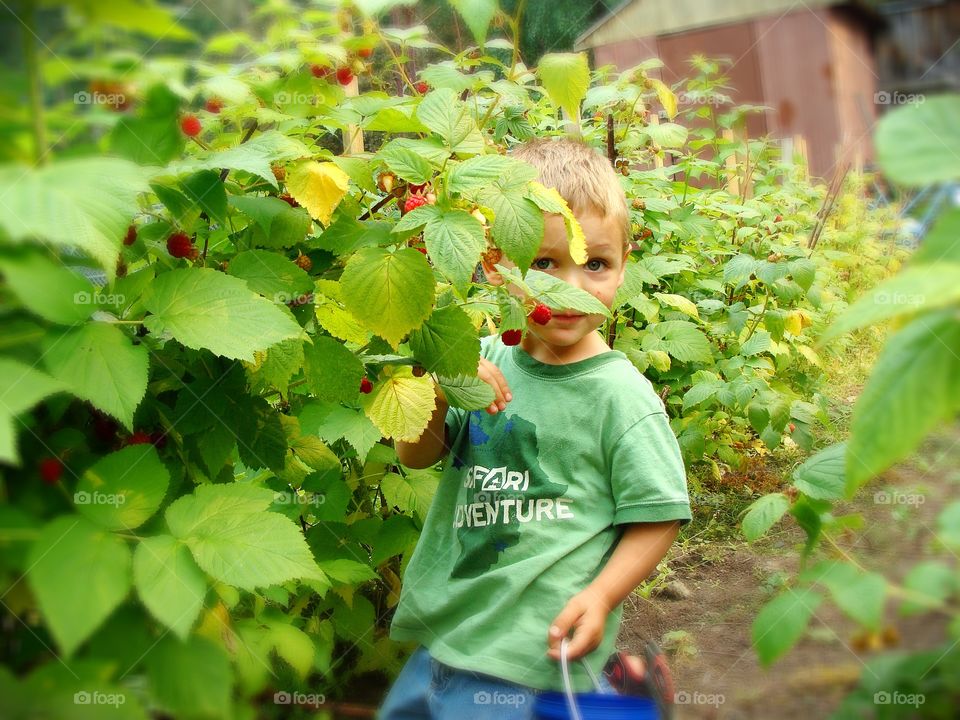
729, 583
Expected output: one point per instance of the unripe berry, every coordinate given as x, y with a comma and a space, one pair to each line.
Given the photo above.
304, 262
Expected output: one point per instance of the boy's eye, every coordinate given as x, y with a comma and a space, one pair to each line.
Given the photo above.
538, 266
589, 264
603, 263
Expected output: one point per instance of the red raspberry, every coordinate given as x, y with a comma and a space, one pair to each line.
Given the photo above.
414, 201
131, 237
190, 125
511, 337
365, 386
140, 437
422, 87
304, 262
289, 200
344, 75
423, 250
179, 245
419, 371
214, 105
541, 314
365, 52
319, 71
51, 470
778, 218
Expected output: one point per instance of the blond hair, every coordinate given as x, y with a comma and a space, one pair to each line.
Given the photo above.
582, 176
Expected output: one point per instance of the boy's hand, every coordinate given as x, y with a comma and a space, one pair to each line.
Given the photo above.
490, 374
586, 615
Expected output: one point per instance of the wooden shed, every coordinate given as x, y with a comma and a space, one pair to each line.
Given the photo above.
810, 61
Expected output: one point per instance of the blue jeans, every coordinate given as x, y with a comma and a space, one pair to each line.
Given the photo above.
427, 689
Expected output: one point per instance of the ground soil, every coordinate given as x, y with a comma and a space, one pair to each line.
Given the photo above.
731, 581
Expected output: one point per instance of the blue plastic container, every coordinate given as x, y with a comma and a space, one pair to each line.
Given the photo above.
590, 705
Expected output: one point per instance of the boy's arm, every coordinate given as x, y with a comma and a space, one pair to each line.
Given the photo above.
432, 445
636, 555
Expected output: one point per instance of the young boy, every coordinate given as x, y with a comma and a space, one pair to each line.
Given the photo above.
557, 502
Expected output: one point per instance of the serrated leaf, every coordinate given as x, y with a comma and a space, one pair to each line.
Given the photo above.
447, 343
566, 77
332, 372
401, 404
49, 289
79, 574
678, 302
256, 156
763, 514
169, 583
102, 365
412, 494
54, 204
406, 163
318, 186
443, 112
467, 392
518, 223
666, 97
269, 274
782, 621
549, 200
390, 293
680, 339
861, 595
236, 541
122, 490
455, 242
203, 308
477, 14
479, 172
823, 476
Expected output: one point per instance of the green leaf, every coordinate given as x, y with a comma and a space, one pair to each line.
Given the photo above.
447, 343
455, 242
700, 392
757, 343
205, 190
914, 387
412, 494
823, 476
122, 490
467, 392
102, 365
277, 224
406, 163
922, 287
49, 289
911, 141
269, 274
332, 372
294, 646
782, 621
153, 137
477, 14
373, 8
390, 293
554, 291
680, 339
442, 112
54, 204
79, 575
333, 422
479, 172
804, 272
348, 572
565, 77
236, 541
169, 583
518, 223
737, 270
860, 595
763, 514
191, 679
933, 581
942, 243
400, 405
255, 156
203, 308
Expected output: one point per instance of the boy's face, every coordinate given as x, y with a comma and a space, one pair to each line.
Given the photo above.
565, 339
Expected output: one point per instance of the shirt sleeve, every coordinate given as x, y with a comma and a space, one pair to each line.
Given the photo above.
648, 478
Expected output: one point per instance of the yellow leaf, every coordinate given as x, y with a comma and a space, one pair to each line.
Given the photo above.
552, 201
401, 404
318, 186
810, 354
678, 302
794, 322
666, 97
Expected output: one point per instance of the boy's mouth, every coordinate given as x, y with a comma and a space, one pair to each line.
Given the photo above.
566, 317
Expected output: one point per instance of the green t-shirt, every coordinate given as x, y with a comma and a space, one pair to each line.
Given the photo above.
526, 511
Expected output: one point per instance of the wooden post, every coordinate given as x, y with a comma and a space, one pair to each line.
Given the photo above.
730, 163
657, 160
352, 135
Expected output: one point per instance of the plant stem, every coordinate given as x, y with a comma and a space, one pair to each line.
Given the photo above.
35, 84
